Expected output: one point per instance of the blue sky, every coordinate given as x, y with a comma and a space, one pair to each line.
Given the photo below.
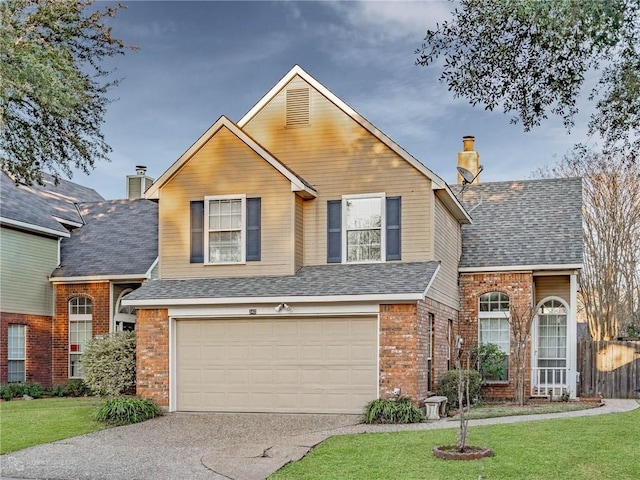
199, 60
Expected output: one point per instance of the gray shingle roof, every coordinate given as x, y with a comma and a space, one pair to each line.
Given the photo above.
38, 204
323, 280
120, 237
518, 223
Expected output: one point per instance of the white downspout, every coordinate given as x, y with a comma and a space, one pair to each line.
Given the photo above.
573, 337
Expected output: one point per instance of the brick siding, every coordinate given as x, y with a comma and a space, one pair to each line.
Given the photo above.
37, 346
403, 347
519, 287
98, 292
152, 355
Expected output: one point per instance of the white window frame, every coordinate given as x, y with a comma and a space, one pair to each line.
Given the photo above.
383, 226
243, 228
21, 355
85, 318
501, 315
120, 318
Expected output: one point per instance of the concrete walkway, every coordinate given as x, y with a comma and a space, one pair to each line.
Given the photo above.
214, 446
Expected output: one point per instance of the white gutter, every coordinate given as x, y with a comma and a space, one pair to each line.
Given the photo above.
33, 228
521, 268
163, 302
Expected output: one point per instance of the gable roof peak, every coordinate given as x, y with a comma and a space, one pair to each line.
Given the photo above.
297, 183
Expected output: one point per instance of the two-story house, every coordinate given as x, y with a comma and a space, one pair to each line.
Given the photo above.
34, 220
308, 263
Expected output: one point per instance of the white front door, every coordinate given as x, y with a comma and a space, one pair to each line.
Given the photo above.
551, 349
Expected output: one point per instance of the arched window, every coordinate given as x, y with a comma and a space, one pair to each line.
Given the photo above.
552, 342
125, 316
493, 326
80, 332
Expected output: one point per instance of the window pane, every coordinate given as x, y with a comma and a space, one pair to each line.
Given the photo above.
225, 247
363, 245
16, 342
364, 213
15, 371
80, 306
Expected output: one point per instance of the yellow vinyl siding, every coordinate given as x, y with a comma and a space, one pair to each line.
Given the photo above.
225, 166
26, 262
447, 247
338, 156
553, 286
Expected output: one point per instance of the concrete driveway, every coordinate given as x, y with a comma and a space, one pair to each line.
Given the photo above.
215, 446
179, 446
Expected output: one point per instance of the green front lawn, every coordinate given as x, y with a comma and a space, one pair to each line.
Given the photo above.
26, 423
603, 447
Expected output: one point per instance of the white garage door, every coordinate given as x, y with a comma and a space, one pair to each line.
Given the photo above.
319, 365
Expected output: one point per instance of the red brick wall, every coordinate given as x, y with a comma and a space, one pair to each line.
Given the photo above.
519, 287
37, 346
98, 292
403, 347
152, 355
399, 350
442, 314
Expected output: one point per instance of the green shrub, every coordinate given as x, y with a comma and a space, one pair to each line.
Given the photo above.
74, 387
127, 410
109, 363
14, 390
384, 410
448, 386
490, 361
5, 393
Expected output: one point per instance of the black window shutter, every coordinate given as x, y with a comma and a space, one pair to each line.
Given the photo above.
334, 231
253, 229
393, 209
197, 232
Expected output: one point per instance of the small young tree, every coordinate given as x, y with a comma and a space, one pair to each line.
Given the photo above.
521, 321
109, 363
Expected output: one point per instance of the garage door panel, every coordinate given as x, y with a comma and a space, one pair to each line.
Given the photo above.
286, 352
278, 365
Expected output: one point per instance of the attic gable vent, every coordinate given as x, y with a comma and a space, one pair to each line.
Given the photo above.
297, 107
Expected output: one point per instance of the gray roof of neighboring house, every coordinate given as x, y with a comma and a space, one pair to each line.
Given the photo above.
322, 280
523, 223
120, 237
38, 204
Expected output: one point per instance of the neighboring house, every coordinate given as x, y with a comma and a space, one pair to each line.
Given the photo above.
68, 258
307, 263
33, 222
113, 253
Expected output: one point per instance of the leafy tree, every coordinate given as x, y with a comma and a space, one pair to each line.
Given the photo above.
610, 279
531, 58
53, 91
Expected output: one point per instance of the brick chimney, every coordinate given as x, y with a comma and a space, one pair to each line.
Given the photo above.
137, 184
469, 159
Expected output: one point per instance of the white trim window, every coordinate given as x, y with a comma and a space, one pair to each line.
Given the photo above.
16, 353
80, 332
225, 229
552, 341
493, 325
363, 228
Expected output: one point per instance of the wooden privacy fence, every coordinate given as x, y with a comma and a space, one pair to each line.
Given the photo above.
611, 368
